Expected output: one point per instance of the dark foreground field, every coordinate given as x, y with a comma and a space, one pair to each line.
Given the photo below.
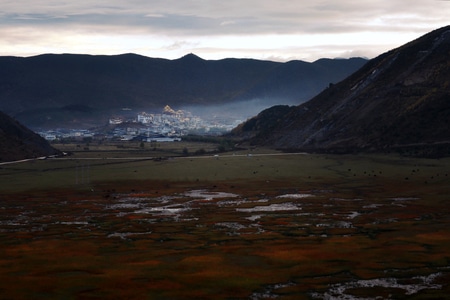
228, 227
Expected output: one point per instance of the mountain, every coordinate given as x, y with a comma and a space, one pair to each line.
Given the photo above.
70, 90
18, 142
398, 101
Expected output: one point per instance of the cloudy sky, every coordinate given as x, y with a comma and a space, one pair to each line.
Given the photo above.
213, 29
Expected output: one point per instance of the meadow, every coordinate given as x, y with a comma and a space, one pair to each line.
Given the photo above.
126, 222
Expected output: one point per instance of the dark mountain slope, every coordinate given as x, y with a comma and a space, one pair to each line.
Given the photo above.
18, 142
67, 89
399, 100
263, 123
286, 80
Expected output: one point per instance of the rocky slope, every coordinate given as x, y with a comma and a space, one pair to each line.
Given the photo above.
399, 101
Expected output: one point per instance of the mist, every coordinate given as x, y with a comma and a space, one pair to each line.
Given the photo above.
235, 111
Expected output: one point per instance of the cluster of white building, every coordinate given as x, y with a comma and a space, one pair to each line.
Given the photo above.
169, 122
57, 134
171, 118
166, 126
176, 123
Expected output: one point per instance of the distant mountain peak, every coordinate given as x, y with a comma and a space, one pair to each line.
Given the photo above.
191, 57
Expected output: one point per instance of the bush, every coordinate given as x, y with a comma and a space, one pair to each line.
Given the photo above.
200, 151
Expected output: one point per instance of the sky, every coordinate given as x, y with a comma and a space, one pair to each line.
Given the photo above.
279, 30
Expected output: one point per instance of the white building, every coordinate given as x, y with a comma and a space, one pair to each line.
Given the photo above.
145, 118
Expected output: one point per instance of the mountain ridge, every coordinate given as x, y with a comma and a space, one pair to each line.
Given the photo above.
40, 90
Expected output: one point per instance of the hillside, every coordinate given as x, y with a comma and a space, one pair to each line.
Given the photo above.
17, 142
399, 101
71, 90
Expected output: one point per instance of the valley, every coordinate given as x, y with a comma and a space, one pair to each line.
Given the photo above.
119, 221
88, 90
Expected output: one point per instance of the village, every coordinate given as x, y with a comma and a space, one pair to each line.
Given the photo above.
168, 126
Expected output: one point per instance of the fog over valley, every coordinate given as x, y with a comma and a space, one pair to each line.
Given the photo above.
88, 90
240, 110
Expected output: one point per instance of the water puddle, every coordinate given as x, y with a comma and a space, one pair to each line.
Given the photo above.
270, 291
207, 195
272, 207
295, 196
127, 235
228, 203
408, 286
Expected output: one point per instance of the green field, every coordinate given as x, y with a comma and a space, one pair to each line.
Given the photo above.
123, 222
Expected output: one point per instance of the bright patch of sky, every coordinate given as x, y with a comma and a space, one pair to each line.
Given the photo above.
263, 29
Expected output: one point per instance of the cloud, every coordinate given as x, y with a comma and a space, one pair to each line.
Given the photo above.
208, 18
177, 45
226, 23
274, 28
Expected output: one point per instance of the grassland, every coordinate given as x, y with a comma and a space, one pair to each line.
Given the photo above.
131, 223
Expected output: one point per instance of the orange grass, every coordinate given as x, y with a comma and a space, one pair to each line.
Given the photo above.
66, 244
